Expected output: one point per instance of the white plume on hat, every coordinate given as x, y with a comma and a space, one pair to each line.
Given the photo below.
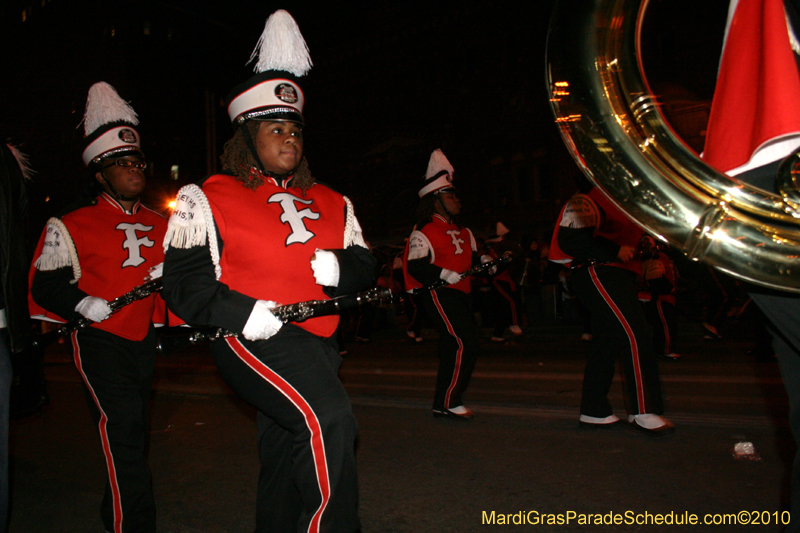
109, 125
281, 46
437, 163
104, 105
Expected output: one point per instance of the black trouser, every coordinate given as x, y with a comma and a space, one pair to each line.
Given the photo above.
783, 312
663, 319
417, 315
619, 328
506, 305
118, 374
306, 429
458, 344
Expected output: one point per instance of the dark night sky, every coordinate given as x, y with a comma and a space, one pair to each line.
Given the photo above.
391, 82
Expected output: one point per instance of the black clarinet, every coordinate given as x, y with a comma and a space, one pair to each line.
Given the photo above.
181, 337
474, 271
137, 293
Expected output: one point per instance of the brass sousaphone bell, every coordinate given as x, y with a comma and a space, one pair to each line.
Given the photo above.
612, 125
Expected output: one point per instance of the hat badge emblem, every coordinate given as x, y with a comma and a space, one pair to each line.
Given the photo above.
127, 135
286, 93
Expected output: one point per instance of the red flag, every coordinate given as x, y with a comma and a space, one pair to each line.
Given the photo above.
755, 115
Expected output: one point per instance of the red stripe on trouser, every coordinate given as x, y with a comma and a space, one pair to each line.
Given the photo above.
511, 302
667, 338
637, 369
112, 472
459, 352
317, 443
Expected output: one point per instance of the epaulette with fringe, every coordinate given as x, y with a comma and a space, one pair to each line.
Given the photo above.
64, 253
192, 224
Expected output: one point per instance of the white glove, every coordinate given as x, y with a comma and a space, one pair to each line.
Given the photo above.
155, 272
326, 268
449, 276
261, 324
94, 308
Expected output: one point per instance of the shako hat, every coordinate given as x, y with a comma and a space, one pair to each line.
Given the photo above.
439, 176
108, 125
273, 92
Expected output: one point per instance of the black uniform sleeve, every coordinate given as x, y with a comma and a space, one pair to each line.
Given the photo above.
194, 294
356, 271
486, 274
583, 245
54, 291
424, 271
476, 259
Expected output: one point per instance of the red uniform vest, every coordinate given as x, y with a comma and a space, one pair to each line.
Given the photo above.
451, 248
269, 236
115, 250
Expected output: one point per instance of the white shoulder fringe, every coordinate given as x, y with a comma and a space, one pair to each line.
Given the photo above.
352, 229
472, 242
192, 224
61, 252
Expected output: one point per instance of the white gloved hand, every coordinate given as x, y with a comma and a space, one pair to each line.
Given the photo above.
156, 272
450, 276
326, 268
94, 308
261, 324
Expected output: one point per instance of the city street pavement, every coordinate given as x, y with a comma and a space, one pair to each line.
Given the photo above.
523, 455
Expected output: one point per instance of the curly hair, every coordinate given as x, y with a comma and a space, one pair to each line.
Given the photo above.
239, 161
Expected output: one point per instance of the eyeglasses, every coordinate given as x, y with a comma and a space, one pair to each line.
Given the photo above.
127, 163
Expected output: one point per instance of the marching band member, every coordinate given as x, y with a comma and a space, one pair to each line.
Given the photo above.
440, 248
598, 242
657, 290
261, 232
98, 250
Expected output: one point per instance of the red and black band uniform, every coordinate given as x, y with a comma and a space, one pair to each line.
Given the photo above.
109, 251
607, 287
657, 294
434, 246
232, 246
